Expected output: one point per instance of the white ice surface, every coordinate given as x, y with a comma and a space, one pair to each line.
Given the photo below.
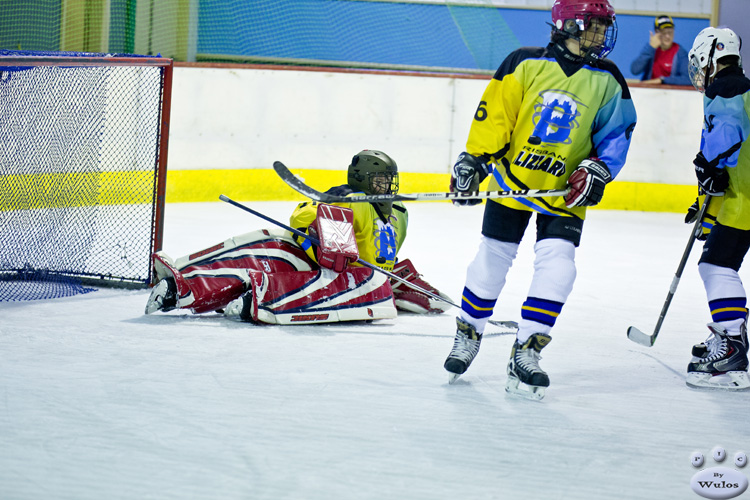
98, 401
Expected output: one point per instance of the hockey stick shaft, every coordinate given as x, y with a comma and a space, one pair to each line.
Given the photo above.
298, 185
648, 340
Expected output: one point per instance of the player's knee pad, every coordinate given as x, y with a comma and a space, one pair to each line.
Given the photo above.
554, 269
720, 281
485, 276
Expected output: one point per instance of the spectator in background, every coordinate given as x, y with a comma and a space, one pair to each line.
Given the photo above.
662, 60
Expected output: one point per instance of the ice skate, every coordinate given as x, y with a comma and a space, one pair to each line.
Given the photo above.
241, 307
163, 297
723, 364
525, 377
465, 349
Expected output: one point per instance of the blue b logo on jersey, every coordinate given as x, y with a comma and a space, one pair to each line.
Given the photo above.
555, 116
386, 241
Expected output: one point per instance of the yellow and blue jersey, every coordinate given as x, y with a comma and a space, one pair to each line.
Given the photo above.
541, 114
378, 238
724, 142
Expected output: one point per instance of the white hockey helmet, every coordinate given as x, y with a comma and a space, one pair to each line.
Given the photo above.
709, 46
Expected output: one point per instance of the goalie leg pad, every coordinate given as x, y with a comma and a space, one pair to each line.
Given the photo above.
409, 299
245, 307
165, 269
325, 296
221, 273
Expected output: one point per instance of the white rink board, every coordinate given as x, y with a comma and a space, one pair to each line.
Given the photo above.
248, 118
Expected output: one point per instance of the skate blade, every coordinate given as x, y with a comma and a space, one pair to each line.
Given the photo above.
518, 388
729, 381
452, 377
156, 298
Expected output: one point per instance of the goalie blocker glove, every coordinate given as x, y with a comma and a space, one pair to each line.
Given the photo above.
337, 244
711, 179
468, 172
587, 183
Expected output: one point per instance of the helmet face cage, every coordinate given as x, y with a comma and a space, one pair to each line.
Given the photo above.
373, 172
709, 46
591, 22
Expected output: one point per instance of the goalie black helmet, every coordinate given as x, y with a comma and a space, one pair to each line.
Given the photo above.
374, 172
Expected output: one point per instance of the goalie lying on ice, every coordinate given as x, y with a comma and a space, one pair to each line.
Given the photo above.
272, 276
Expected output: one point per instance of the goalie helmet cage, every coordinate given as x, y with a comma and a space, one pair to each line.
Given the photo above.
82, 170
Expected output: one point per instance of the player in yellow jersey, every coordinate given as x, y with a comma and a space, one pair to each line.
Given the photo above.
271, 276
554, 117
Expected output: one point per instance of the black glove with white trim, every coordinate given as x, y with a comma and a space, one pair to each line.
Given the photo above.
587, 183
468, 172
711, 179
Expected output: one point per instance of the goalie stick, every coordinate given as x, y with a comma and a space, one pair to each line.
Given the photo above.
511, 325
645, 339
298, 185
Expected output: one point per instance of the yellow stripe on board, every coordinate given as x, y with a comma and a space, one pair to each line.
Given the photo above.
26, 191
265, 185
29, 191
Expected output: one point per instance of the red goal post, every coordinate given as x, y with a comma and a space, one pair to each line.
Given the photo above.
83, 165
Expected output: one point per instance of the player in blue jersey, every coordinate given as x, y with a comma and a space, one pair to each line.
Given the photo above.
552, 117
722, 167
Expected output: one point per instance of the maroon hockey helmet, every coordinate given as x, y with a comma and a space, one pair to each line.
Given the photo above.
581, 13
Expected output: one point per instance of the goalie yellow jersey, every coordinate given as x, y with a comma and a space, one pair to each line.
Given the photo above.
541, 114
378, 238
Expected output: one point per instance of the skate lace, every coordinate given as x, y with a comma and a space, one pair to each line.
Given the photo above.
464, 348
717, 347
528, 360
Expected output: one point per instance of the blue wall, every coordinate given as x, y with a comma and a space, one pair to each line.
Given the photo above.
397, 33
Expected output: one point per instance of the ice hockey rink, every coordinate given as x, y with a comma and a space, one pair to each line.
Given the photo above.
99, 401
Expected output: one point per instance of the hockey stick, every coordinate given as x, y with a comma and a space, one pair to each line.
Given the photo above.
645, 339
505, 324
298, 185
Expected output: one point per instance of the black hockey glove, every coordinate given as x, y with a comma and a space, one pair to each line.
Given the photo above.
712, 180
587, 183
708, 219
468, 172
692, 212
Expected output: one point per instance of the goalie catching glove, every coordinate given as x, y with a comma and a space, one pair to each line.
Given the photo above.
408, 299
468, 172
333, 227
587, 183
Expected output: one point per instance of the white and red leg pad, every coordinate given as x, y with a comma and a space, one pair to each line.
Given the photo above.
334, 227
323, 296
411, 300
211, 278
165, 268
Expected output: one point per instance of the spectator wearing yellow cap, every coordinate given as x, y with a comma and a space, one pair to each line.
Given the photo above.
662, 60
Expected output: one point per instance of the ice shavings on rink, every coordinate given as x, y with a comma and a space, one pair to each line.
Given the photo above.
99, 401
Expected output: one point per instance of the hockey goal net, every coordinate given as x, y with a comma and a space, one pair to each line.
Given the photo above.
83, 141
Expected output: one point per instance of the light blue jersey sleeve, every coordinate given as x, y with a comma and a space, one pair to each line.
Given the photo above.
613, 128
725, 127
